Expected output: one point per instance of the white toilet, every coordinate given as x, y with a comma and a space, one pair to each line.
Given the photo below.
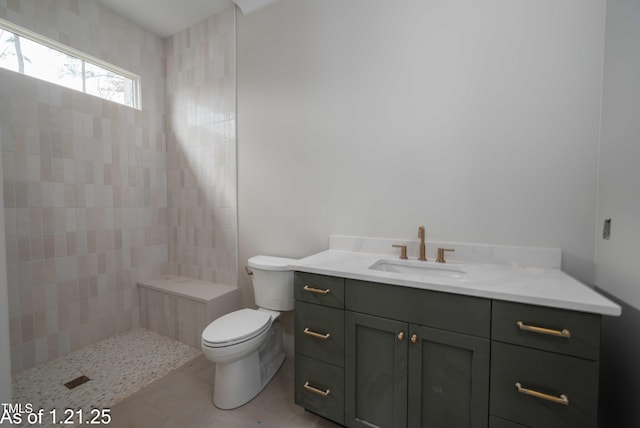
246, 345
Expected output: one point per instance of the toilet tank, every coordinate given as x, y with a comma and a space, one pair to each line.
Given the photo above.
272, 282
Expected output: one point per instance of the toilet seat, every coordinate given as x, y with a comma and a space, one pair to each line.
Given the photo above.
235, 327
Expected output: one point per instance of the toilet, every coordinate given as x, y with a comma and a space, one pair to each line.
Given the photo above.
246, 345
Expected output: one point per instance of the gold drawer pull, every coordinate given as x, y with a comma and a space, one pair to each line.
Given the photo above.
564, 333
563, 399
318, 335
316, 290
316, 390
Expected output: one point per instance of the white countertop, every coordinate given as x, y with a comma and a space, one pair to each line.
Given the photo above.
534, 285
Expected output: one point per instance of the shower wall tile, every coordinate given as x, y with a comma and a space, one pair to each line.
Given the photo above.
201, 150
85, 186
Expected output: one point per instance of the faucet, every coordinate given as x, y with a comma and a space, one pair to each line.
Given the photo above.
423, 247
403, 250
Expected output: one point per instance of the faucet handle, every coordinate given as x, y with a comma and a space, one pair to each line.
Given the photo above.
440, 258
403, 250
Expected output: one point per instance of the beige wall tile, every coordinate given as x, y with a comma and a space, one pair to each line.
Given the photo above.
66, 149
199, 117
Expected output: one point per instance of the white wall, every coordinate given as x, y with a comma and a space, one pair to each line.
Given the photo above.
5, 349
479, 120
617, 269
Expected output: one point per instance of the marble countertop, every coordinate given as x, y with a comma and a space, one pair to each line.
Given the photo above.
545, 286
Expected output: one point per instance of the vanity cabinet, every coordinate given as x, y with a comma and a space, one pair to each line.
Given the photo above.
377, 355
402, 374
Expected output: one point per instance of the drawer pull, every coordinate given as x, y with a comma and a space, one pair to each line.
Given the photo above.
316, 290
316, 390
317, 335
559, 333
401, 336
563, 399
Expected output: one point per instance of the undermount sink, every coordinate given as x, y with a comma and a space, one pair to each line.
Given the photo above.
417, 268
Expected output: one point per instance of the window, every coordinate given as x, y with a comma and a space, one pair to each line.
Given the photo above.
29, 53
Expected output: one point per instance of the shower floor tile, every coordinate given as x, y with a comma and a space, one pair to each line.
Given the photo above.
118, 367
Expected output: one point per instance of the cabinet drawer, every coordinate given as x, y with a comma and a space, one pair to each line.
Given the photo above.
319, 332
501, 423
547, 373
320, 289
453, 312
584, 328
324, 390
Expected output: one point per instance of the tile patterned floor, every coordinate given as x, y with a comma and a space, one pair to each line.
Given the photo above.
118, 367
182, 399
148, 380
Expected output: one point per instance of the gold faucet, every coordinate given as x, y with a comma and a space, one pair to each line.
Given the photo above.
440, 258
423, 247
403, 250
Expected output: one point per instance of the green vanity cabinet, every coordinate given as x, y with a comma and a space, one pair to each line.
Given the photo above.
400, 374
378, 355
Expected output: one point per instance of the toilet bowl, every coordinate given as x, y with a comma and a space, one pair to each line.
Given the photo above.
246, 345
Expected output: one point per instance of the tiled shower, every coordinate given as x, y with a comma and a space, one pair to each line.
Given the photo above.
99, 195
201, 147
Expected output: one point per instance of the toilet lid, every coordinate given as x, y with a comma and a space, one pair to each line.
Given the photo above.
270, 263
236, 327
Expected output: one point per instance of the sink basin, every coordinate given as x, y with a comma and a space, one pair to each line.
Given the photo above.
417, 268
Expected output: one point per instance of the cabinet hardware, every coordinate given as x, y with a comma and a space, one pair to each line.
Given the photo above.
400, 336
559, 333
414, 338
316, 290
316, 390
318, 335
563, 399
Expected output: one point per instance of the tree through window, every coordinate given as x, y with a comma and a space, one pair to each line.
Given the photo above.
28, 53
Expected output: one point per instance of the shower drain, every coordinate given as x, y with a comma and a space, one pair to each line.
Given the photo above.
77, 382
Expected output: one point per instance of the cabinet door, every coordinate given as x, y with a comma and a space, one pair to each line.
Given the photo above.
375, 371
448, 379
